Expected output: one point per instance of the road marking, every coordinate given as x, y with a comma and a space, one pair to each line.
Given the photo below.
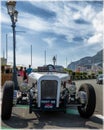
72, 111
22, 106
6, 128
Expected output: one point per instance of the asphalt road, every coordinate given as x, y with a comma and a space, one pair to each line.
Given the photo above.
21, 119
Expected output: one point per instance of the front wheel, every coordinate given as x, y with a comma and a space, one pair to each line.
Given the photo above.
7, 100
87, 110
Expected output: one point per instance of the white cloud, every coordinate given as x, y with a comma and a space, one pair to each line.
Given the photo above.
4, 16
98, 22
77, 16
96, 39
88, 12
49, 41
32, 22
63, 24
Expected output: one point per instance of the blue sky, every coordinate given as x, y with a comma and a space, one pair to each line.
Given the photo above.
69, 29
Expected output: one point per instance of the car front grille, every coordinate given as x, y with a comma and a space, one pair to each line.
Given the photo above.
49, 89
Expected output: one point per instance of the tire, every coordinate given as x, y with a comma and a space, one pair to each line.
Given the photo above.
87, 110
7, 100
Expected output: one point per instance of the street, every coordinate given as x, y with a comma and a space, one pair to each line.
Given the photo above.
58, 120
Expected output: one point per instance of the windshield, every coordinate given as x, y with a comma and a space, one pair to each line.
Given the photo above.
100, 76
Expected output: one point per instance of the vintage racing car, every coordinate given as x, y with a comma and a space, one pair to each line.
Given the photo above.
49, 91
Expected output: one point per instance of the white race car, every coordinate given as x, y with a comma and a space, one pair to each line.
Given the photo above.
50, 91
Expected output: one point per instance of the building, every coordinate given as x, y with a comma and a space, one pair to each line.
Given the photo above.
3, 61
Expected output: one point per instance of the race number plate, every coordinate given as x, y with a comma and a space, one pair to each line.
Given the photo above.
48, 103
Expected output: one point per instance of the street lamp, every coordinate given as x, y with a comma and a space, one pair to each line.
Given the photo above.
13, 15
54, 60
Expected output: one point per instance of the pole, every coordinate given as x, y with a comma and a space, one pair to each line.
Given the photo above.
56, 59
14, 54
31, 55
45, 56
6, 46
66, 62
3, 53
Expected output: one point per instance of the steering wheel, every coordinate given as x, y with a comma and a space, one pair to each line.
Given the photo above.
51, 67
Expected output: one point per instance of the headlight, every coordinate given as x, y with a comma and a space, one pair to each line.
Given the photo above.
24, 87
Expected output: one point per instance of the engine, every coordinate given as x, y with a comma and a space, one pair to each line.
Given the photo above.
68, 92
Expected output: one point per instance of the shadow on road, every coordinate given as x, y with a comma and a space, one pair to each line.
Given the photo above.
51, 120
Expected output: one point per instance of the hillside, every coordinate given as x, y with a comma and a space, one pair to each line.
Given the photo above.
88, 61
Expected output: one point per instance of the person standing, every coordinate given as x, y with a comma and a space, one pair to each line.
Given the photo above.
29, 70
21, 72
25, 73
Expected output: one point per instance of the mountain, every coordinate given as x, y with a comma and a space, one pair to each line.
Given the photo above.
88, 61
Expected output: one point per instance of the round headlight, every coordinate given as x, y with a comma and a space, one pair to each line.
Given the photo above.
24, 87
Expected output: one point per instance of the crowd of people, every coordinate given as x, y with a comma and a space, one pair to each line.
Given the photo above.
21, 71
24, 72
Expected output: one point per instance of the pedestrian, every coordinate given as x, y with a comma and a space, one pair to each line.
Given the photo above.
21, 72
25, 74
29, 70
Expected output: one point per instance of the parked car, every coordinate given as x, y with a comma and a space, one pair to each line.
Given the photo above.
100, 79
50, 91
